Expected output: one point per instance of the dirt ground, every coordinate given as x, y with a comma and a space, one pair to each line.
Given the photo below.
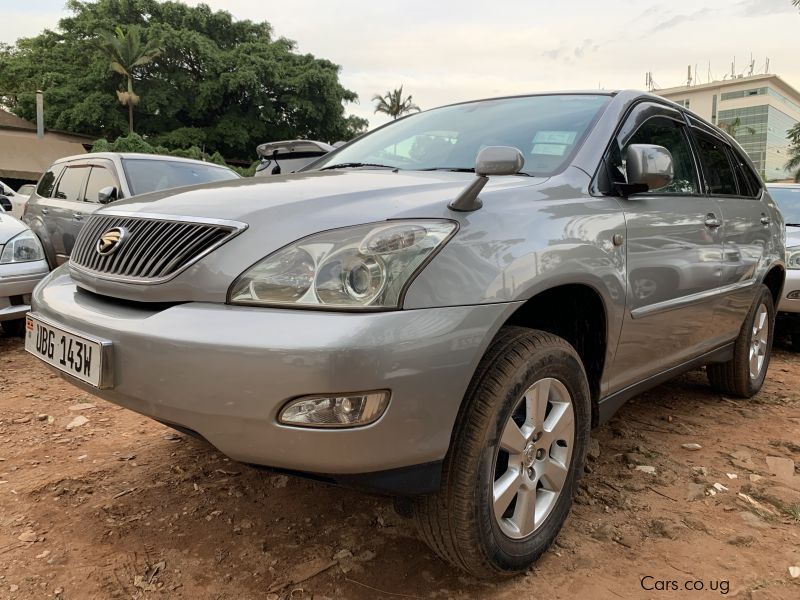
122, 507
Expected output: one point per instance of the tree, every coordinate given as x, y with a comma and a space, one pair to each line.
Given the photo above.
127, 52
793, 164
219, 84
732, 127
393, 104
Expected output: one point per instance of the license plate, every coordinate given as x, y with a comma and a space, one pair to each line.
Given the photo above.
74, 354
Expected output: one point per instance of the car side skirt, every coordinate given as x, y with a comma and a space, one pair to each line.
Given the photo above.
609, 405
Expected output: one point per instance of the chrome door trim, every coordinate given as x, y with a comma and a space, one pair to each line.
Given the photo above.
674, 303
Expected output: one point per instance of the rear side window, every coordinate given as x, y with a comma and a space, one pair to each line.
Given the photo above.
749, 182
717, 169
99, 178
48, 180
70, 184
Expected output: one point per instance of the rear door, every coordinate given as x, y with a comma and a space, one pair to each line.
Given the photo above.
67, 200
745, 225
673, 252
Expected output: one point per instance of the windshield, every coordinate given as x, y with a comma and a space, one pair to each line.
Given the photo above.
148, 175
788, 199
546, 129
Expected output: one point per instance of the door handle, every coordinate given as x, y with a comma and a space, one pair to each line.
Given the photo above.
45, 211
712, 222
77, 216
765, 219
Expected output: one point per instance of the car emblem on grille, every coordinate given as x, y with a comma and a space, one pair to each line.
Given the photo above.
111, 240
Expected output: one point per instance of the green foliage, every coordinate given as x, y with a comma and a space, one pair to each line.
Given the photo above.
128, 52
793, 164
393, 104
218, 84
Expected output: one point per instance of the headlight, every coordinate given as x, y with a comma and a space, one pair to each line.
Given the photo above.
367, 266
24, 247
793, 258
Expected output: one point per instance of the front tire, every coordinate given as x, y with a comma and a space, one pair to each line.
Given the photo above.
517, 453
743, 375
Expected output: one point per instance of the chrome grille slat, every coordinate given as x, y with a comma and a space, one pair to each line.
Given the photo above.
155, 248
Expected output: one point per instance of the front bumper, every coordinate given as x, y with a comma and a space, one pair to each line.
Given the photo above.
16, 281
224, 372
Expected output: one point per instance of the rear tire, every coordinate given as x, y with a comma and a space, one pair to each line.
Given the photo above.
517, 453
744, 374
15, 328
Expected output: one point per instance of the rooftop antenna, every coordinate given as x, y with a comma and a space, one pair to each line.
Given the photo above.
752, 65
708, 75
689, 75
733, 68
766, 67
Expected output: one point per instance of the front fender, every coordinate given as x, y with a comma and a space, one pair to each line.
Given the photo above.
38, 227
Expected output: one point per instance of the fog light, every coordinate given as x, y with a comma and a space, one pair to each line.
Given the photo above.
353, 410
795, 295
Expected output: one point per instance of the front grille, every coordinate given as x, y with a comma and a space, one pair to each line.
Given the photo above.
154, 248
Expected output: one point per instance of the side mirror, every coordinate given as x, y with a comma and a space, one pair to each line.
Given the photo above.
492, 160
648, 165
498, 160
107, 194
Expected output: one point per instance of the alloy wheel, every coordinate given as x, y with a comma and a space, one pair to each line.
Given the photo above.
758, 341
533, 458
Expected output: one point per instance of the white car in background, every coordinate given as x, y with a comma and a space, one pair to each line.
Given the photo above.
15, 201
22, 266
787, 196
289, 156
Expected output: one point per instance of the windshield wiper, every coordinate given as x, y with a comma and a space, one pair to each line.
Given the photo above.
464, 170
355, 165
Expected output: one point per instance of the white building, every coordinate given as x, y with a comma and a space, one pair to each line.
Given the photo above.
757, 110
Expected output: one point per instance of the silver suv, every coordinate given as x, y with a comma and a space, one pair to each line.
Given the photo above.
76, 186
441, 309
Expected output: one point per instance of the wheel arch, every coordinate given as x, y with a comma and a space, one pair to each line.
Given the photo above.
774, 280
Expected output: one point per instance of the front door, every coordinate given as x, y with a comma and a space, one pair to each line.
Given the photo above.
65, 211
673, 252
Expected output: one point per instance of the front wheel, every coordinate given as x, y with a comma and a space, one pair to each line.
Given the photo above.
744, 374
515, 459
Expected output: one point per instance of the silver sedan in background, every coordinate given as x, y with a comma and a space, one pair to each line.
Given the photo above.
22, 265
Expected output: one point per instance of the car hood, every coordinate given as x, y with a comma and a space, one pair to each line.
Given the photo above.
279, 210
9, 227
381, 194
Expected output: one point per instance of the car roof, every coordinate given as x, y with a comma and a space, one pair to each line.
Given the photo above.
137, 156
783, 185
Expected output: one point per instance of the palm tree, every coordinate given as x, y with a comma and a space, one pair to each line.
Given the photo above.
732, 127
793, 164
127, 51
393, 104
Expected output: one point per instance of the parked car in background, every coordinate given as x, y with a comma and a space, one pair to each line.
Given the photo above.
787, 196
282, 158
74, 187
6, 194
20, 199
22, 266
441, 309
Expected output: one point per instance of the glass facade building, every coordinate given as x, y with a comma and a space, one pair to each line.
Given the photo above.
761, 131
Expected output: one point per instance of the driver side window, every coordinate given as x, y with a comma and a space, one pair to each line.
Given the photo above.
666, 132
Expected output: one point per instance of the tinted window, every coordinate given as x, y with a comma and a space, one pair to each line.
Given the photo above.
546, 129
749, 182
661, 131
48, 180
99, 178
788, 200
147, 175
717, 169
69, 186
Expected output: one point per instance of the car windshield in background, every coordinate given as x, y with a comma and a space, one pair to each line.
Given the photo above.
788, 199
148, 175
547, 130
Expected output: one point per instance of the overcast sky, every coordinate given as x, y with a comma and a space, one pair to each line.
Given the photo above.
445, 51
